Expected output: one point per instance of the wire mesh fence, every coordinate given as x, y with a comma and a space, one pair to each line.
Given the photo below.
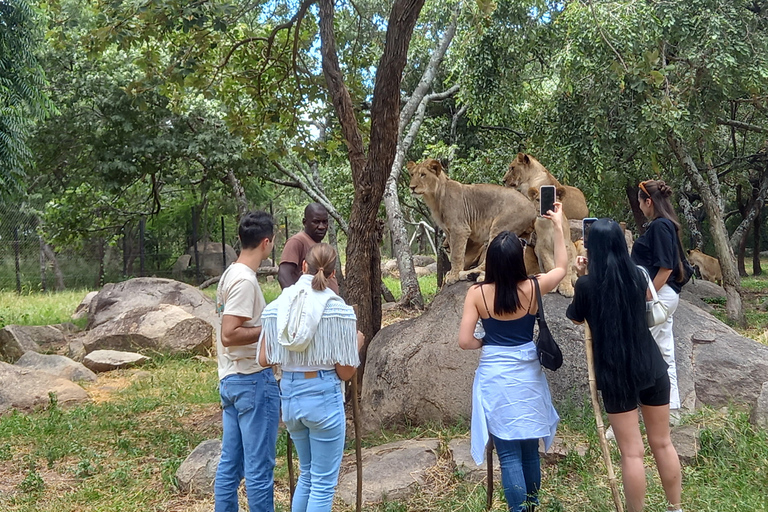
193, 250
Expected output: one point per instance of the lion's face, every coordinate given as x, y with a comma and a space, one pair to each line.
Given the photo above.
424, 176
523, 169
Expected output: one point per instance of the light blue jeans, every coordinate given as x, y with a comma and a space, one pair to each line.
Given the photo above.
313, 413
520, 472
250, 415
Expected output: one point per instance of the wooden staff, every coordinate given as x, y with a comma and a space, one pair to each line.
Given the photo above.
289, 457
489, 487
358, 448
617, 501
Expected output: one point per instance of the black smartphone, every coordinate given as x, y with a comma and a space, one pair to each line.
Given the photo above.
585, 225
546, 198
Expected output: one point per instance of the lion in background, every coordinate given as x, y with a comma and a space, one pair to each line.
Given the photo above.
526, 173
472, 214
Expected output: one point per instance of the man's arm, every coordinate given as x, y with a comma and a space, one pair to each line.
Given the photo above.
234, 333
288, 274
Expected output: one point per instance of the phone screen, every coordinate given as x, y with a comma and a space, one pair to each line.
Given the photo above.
586, 224
546, 198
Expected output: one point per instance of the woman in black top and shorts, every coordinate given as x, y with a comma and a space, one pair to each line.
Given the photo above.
629, 367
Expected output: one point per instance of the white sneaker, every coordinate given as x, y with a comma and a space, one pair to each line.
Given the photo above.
609, 435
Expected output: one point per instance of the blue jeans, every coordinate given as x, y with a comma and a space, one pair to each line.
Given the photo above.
520, 472
313, 413
250, 415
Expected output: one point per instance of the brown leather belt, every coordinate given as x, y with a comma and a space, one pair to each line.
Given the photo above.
310, 375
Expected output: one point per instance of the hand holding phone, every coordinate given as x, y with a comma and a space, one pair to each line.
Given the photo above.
586, 224
546, 199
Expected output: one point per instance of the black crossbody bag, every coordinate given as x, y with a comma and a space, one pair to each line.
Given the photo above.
549, 353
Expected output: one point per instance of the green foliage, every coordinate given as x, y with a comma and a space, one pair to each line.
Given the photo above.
22, 97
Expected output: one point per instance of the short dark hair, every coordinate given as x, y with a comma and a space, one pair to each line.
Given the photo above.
255, 227
505, 268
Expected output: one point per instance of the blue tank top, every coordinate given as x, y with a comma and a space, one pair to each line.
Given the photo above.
508, 333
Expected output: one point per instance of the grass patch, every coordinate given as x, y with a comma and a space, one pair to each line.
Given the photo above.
40, 308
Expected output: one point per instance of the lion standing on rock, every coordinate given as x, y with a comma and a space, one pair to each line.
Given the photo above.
469, 213
526, 173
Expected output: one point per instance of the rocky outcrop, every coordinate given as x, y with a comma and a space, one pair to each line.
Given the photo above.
59, 366
415, 372
114, 299
162, 328
81, 311
25, 389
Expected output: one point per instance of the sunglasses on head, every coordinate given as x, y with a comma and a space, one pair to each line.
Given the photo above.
642, 187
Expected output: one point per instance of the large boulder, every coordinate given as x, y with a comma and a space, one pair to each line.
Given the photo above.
26, 390
81, 311
15, 340
198, 471
416, 373
59, 366
115, 299
162, 328
211, 257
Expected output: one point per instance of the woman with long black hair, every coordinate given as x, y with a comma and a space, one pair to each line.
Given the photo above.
629, 367
511, 402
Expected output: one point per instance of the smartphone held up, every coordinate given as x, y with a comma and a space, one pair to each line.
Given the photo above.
586, 224
546, 199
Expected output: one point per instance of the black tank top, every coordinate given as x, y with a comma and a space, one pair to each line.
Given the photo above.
508, 333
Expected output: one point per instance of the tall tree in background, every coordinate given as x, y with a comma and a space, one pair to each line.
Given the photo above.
21, 90
369, 171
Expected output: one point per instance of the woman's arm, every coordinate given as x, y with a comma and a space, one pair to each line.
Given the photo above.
469, 317
550, 280
661, 277
347, 372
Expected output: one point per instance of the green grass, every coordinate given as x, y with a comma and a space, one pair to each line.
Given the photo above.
40, 308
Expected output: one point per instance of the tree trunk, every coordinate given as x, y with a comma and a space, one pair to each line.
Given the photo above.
51, 256
697, 241
742, 269
731, 280
369, 175
239, 193
756, 268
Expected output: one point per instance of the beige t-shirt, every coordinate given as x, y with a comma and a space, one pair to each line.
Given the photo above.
296, 249
239, 294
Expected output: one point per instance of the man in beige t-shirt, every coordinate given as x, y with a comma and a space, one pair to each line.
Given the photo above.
296, 248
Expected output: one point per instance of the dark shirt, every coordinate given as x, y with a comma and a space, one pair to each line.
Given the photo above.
658, 248
508, 333
639, 352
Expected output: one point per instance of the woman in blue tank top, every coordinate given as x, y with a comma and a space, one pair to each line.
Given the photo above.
510, 395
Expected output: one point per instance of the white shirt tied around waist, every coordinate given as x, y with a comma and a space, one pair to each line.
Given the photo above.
510, 398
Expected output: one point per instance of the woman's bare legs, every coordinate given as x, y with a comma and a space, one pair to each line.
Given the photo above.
626, 427
656, 420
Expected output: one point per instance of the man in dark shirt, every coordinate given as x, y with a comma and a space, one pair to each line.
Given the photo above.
296, 248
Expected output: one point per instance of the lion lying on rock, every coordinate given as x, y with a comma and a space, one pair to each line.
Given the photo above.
469, 213
526, 173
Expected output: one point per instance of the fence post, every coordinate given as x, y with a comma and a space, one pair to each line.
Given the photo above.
223, 247
42, 264
16, 252
194, 244
142, 224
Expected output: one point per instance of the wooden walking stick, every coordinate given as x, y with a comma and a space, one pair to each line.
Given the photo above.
358, 451
289, 461
617, 501
489, 487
